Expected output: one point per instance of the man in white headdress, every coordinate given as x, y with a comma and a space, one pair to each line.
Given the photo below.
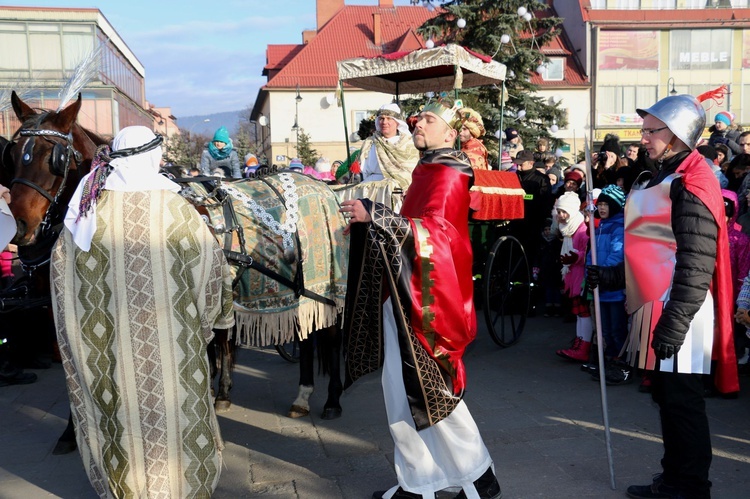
138, 283
389, 153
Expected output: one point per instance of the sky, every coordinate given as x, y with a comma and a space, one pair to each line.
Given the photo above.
203, 57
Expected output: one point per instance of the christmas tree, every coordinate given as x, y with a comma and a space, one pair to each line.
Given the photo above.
512, 32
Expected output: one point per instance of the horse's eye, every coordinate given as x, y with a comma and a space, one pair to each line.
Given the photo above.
26, 159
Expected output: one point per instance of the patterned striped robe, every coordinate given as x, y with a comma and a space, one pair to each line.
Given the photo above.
134, 316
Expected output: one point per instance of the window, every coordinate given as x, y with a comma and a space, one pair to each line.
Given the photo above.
617, 105
554, 70
359, 117
701, 49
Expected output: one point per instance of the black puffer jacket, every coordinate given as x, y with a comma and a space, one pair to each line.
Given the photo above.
696, 234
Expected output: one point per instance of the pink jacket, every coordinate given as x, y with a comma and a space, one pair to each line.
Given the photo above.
573, 280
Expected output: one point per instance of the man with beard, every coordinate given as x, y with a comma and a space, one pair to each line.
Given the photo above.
420, 261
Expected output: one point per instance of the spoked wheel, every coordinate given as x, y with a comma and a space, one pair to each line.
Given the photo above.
507, 291
289, 351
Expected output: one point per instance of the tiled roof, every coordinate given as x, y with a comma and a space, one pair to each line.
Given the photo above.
278, 55
558, 46
348, 34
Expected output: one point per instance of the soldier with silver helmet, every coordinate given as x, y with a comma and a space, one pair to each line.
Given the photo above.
680, 296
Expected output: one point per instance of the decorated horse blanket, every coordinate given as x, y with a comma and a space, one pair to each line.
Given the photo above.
291, 225
134, 315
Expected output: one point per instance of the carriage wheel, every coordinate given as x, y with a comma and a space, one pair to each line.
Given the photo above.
507, 291
289, 351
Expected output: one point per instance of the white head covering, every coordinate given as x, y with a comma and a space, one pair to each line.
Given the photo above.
139, 172
402, 128
569, 202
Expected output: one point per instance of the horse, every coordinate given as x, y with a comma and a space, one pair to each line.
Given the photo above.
46, 159
290, 278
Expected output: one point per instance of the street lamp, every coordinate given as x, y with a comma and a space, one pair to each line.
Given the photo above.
672, 91
295, 127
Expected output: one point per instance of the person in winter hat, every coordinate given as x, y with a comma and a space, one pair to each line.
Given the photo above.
513, 142
610, 251
220, 154
296, 165
724, 132
251, 164
323, 170
571, 225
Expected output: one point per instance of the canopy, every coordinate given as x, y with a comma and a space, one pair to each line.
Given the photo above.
437, 69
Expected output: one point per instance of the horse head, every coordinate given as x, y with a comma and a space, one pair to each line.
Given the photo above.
48, 156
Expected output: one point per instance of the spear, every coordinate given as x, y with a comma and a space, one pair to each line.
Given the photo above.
597, 313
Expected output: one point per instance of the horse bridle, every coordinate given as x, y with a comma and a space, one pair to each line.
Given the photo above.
59, 166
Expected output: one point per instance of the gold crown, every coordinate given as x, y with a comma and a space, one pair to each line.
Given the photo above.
446, 112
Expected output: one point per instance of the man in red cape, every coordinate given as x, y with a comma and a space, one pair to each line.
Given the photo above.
410, 310
678, 285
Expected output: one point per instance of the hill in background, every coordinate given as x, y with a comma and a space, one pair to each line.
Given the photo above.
199, 125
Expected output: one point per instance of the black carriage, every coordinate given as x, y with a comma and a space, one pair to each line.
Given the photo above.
503, 282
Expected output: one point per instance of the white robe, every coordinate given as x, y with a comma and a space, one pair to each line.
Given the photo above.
450, 453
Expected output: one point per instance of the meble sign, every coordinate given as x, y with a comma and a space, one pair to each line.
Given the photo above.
698, 57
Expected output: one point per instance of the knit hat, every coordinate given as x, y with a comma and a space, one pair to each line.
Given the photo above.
222, 135
506, 162
296, 164
511, 133
556, 172
251, 160
323, 165
614, 196
724, 116
574, 175
569, 203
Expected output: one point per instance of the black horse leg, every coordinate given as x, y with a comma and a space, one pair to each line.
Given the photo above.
329, 341
301, 405
226, 355
67, 441
212, 364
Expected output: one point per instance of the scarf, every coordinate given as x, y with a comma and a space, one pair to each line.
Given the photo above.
396, 161
567, 230
222, 153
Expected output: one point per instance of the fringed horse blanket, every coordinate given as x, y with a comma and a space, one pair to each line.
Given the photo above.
292, 227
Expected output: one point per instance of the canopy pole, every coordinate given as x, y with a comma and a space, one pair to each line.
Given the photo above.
590, 208
343, 111
500, 132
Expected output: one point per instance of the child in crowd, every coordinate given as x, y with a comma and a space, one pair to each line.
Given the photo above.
610, 238
573, 257
742, 316
546, 270
739, 259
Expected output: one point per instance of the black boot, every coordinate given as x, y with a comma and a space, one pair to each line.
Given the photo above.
487, 486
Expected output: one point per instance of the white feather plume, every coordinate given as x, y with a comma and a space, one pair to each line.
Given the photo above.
23, 88
84, 72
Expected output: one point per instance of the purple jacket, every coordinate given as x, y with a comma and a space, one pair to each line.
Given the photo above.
739, 243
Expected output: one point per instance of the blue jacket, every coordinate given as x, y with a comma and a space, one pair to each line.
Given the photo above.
610, 250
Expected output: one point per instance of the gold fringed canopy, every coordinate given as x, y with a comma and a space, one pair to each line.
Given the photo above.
437, 69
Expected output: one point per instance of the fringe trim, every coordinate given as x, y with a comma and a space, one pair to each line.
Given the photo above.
254, 329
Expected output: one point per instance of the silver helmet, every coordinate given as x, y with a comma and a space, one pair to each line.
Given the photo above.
683, 115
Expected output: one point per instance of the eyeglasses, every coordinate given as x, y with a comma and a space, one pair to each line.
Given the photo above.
648, 132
